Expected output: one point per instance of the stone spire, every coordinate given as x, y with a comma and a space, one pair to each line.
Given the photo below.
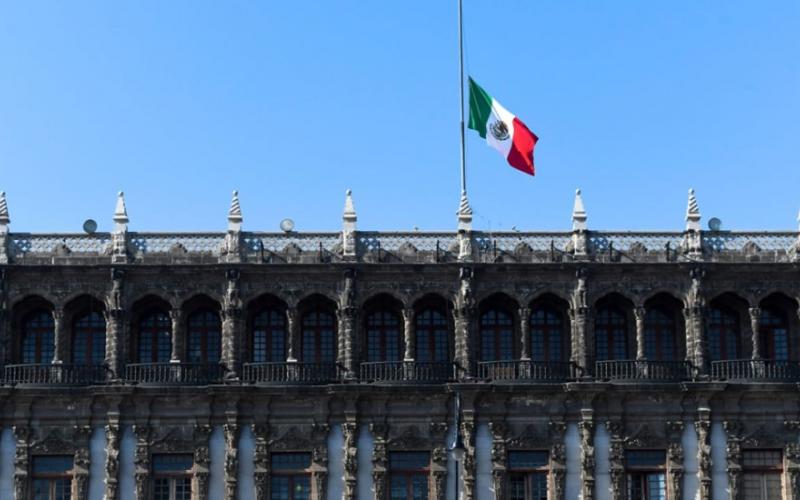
235, 214
5, 220
119, 238
464, 236
120, 214
578, 213
349, 219
692, 213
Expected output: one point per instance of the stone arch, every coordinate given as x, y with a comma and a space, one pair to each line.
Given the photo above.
23, 311
85, 309
778, 325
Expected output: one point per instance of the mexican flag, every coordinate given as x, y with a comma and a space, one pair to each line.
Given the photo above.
501, 129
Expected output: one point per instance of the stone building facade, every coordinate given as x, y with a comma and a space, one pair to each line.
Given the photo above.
581, 364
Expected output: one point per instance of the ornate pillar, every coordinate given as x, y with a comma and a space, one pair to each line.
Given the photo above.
639, 313
734, 455
463, 314
582, 351
703, 428
292, 326
261, 462
350, 432
408, 334
469, 465
347, 327
697, 348
524, 326
112, 431
176, 315
558, 459
755, 325
22, 434
438, 431
586, 429
115, 320
499, 431
231, 325
616, 459
675, 459
142, 461
380, 460
202, 461
231, 431
81, 461
59, 336
319, 458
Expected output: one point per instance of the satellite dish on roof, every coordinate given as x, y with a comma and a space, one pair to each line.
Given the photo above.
287, 225
714, 224
90, 226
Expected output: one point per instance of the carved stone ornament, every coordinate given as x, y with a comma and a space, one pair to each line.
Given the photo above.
291, 440
409, 439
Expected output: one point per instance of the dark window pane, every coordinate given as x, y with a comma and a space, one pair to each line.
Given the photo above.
89, 339
432, 338
497, 335
527, 459
290, 461
645, 458
269, 337
611, 334
169, 462
154, 343
37, 338
723, 334
546, 335
409, 460
318, 338
659, 335
204, 337
52, 464
383, 336
774, 335
762, 458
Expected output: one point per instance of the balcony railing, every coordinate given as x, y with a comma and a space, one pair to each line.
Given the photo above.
522, 370
408, 371
175, 373
755, 369
55, 374
290, 373
632, 369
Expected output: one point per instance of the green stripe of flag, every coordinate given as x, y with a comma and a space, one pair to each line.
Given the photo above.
480, 107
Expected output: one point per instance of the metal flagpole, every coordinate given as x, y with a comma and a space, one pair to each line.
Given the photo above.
461, 97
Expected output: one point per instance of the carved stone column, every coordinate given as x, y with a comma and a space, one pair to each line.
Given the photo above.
347, 327
734, 455
231, 329
703, 428
202, 461
231, 431
438, 432
115, 320
697, 349
582, 347
261, 462
176, 315
142, 461
81, 462
755, 325
408, 334
463, 315
350, 432
380, 460
499, 431
525, 334
639, 313
616, 459
319, 459
292, 326
469, 465
59, 336
22, 435
558, 459
675, 459
112, 431
586, 428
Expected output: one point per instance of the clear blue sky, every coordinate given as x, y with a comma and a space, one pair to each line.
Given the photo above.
180, 102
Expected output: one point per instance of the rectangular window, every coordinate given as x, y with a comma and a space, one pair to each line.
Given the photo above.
172, 476
646, 474
408, 475
527, 475
291, 479
762, 472
51, 477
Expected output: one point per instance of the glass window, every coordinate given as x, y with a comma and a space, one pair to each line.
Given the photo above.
290, 479
172, 476
89, 339
154, 342
774, 335
269, 337
527, 475
497, 335
38, 338
762, 473
659, 335
646, 474
408, 475
611, 334
384, 339
432, 337
319, 337
723, 334
51, 477
204, 337
547, 335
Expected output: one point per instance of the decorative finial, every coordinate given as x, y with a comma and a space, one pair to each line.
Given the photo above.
463, 205
692, 213
349, 247
349, 209
121, 213
578, 213
235, 213
4, 218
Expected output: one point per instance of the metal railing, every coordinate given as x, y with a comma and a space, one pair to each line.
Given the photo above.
290, 372
55, 374
632, 369
755, 369
408, 371
175, 373
523, 369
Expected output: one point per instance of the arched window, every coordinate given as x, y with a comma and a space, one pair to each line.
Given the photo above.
723, 334
38, 338
431, 336
204, 337
89, 339
384, 340
269, 337
497, 335
154, 339
611, 334
659, 335
319, 337
774, 333
546, 335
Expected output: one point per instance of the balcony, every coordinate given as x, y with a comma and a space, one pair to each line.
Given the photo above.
526, 371
175, 373
55, 374
644, 370
290, 373
408, 371
755, 369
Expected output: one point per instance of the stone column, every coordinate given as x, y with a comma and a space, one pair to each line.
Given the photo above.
115, 320
142, 461
525, 334
464, 355
616, 458
231, 329
260, 462
734, 455
469, 468
319, 457
81, 461
755, 325
347, 324
112, 431
59, 337
558, 459
408, 334
498, 431
379, 460
176, 315
703, 428
202, 460
586, 428
697, 347
639, 313
22, 435
350, 433
292, 327
231, 431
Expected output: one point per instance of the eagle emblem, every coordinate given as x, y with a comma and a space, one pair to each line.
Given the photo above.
499, 130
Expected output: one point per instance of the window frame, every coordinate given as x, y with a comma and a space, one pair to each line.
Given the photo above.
763, 471
770, 321
431, 325
42, 331
203, 336
491, 325
152, 334
274, 323
172, 476
92, 333
527, 474
723, 323
660, 333
318, 332
52, 478
606, 328
292, 474
643, 471
545, 330
408, 474
379, 325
